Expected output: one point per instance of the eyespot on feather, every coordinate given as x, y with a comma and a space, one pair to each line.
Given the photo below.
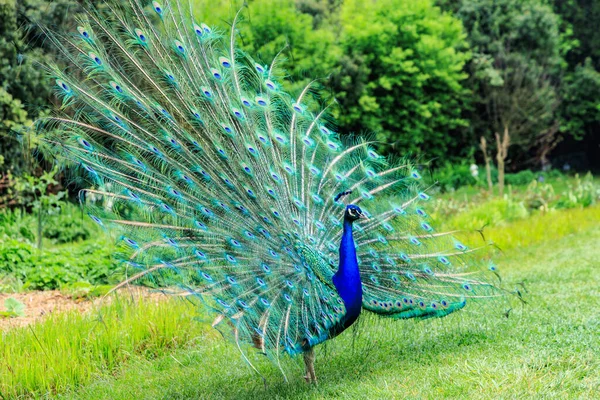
157, 8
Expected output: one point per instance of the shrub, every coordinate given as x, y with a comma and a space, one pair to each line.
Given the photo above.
520, 178
68, 226
54, 268
15, 255
580, 193
16, 224
539, 195
453, 176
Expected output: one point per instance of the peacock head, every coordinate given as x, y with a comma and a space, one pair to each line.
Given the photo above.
353, 213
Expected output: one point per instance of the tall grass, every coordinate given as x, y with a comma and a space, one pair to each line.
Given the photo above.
71, 349
503, 226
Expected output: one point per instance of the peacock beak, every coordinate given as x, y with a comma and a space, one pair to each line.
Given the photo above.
363, 217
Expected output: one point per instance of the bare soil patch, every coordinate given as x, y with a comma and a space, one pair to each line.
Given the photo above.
40, 304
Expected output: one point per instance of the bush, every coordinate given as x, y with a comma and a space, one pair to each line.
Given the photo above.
65, 226
521, 178
525, 177
16, 224
15, 255
539, 196
402, 76
450, 177
68, 226
454, 176
54, 268
581, 193
27, 267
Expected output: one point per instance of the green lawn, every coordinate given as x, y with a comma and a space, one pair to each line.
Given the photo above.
548, 349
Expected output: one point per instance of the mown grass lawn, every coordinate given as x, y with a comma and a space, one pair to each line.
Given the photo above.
547, 349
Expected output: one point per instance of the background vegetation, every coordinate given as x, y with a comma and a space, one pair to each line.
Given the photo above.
426, 78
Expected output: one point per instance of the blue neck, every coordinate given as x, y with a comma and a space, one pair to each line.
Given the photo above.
347, 277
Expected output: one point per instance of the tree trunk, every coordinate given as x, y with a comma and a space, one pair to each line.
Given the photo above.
501, 157
546, 142
488, 168
500, 162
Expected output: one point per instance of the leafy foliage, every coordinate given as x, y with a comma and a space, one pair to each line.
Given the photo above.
67, 226
300, 36
14, 308
581, 95
397, 69
583, 192
529, 194
516, 63
450, 176
34, 193
16, 224
582, 19
521, 178
90, 262
580, 109
23, 86
402, 76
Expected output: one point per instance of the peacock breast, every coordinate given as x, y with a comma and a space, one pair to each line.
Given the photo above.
314, 263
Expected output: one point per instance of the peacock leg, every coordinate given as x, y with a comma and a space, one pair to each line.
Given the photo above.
309, 362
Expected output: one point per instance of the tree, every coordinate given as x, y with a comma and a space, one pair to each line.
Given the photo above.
13, 114
581, 106
580, 18
401, 76
515, 73
299, 35
521, 110
580, 115
23, 88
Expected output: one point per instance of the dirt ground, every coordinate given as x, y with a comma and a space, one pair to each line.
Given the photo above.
41, 304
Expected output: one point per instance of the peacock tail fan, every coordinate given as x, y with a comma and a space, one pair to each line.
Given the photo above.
221, 184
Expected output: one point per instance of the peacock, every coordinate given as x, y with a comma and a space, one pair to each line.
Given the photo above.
219, 183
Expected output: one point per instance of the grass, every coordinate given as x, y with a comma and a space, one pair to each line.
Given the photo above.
70, 349
527, 231
547, 349
560, 184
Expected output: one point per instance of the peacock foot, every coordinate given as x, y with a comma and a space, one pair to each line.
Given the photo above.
309, 362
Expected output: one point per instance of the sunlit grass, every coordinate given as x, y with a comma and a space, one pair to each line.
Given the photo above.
71, 349
538, 228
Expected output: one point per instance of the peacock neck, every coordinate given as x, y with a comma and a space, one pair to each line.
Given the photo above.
347, 278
